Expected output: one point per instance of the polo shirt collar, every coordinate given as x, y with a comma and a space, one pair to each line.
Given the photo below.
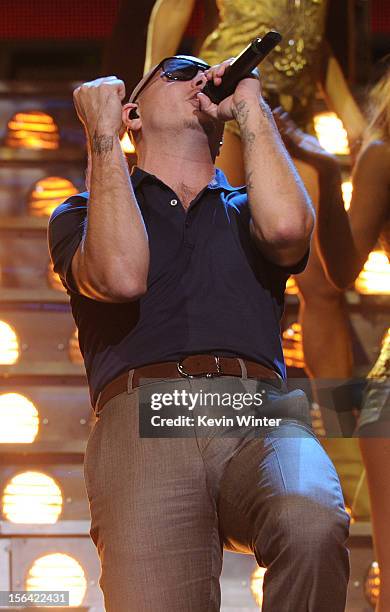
218, 182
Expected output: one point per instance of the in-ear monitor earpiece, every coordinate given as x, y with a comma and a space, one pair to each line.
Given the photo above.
133, 114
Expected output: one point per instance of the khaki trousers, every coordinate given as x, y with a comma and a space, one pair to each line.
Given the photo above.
163, 509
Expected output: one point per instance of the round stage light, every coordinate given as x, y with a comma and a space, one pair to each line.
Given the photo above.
292, 346
372, 584
53, 279
374, 279
48, 193
58, 572
32, 497
74, 349
257, 580
32, 130
9, 344
331, 133
19, 419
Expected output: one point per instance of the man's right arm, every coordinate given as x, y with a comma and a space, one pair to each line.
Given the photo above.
112, 260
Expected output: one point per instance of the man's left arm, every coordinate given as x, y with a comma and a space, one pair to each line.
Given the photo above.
282, 216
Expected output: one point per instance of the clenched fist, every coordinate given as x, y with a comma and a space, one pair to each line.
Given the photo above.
99, 105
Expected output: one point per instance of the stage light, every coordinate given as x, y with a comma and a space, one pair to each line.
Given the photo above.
58, 572
32, 130
53, 279
331, 133
32, 497
374, 279
347, 189
48, 193
74, 350
317, 420
9, 344
292, 346
349, 511
257, 580
126, 144
291, 286
372, 584
19, 419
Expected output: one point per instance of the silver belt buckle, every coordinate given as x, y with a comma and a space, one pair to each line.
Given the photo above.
182, 371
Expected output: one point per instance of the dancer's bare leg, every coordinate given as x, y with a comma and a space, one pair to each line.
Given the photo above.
328, 352
322, 315
376, 455
324, 321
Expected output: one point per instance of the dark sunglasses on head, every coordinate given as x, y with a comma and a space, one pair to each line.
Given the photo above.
174, 69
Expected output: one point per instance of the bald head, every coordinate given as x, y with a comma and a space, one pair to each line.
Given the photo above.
160, 109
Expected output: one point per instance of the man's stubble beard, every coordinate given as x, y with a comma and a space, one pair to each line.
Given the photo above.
207, 126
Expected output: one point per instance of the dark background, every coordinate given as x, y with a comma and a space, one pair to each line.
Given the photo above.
79, 40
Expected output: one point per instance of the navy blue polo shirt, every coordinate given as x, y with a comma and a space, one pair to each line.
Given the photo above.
210, 290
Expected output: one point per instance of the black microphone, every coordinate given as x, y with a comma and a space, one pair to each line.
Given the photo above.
242, 66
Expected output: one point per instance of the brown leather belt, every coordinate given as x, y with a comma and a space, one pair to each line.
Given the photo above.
193, 366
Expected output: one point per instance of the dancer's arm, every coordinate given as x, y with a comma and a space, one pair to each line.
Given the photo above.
345, 238
167, 24
342, 102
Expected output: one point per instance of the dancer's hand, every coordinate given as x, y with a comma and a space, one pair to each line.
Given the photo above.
225, 110
98, 105
301, 145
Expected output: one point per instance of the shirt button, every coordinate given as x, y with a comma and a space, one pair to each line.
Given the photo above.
173, 202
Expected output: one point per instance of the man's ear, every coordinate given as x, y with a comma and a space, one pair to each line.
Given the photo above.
130, 116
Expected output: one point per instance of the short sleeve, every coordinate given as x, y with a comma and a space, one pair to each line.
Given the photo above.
298, 267
241, 203
65, 231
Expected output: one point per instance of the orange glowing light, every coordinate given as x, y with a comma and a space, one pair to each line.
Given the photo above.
53, 279
48, 193
292, 346
32, 497
374, 279
19, 419
331, 133
126, 144
32, 130
372, 584
74, 350
291, 286
347, 189
257, 581
58, 572
9, 344
349, 511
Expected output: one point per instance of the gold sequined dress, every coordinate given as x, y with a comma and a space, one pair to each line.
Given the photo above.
290, 74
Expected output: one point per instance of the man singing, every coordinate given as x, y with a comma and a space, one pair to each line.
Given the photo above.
176, 281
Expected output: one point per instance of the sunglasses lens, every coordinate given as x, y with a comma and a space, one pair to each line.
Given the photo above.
181, 69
